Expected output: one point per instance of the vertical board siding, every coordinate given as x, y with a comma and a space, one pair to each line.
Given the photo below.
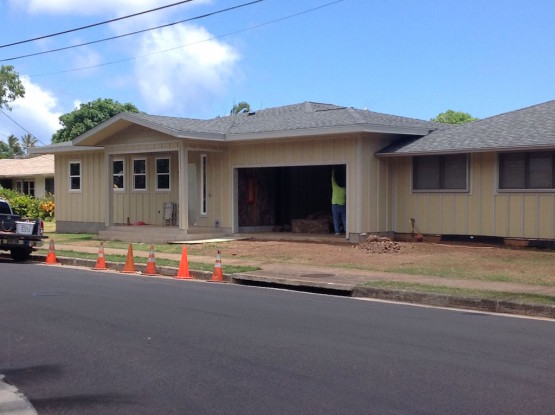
481, 211
87, 204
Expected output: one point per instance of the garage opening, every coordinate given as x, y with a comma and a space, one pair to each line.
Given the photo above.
286, 199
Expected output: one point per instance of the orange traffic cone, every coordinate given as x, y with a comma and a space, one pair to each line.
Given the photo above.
217, 274
151, 264
100, 261
183, 271
129, 267
51, 257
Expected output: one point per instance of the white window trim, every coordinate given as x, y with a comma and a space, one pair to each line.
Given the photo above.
80, 176
169, 173
119, 189
203, 188
140, 174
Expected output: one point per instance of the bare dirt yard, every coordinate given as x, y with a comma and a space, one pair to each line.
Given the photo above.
461, 261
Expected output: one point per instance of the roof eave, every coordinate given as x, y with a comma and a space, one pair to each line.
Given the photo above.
466, 151
346, 129
57, 149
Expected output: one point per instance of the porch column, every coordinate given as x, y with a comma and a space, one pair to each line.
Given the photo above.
183, 196
108, 189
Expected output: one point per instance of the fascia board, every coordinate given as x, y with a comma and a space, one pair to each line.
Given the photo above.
359, 128
466, 151
64, 149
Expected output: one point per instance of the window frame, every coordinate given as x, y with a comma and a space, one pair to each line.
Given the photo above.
526, 179
443, 158
122, 175
157, 174
145, 174
79, 176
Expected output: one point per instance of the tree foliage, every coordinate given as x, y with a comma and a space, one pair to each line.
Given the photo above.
240, 107
27, 141
454, 117
11, 149
11, 87
87, 116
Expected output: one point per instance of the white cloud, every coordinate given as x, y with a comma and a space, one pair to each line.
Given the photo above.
180, 79
88, 7
36, 113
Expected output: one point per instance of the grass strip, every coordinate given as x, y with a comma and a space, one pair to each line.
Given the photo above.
198, 266
463, 292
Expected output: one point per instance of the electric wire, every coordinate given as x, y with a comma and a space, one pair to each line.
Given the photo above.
132, 33
93, 24
188, 44
23, 128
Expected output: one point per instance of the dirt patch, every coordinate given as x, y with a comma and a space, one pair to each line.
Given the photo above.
379, 245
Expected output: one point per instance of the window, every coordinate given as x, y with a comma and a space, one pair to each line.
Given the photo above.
49, 185
533, 170
440, 172
118, 175
163, 174
26, 187
75, 175
203, 199
139, 174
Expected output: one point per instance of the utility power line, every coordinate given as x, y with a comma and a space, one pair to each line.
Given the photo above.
23, 128
94, 24
133, 33
190, 44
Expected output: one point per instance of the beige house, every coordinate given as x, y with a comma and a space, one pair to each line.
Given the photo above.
267, 170
33, 176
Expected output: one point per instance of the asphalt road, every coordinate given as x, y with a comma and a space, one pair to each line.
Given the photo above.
83, 342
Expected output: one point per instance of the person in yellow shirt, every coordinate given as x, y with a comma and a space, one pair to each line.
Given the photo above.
338, 202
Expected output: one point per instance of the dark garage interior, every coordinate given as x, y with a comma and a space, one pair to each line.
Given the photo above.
285, 199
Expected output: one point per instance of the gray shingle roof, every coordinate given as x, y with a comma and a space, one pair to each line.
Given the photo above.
306, 115
528, 128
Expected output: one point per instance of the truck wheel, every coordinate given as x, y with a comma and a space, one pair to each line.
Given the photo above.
20, 254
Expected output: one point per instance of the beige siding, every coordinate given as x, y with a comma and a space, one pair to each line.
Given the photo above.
86, 205
367, 179
144, 205
483, 210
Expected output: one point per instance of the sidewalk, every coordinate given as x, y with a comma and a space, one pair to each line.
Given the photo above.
351, 282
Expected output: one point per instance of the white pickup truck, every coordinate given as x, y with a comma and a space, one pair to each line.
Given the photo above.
20, 237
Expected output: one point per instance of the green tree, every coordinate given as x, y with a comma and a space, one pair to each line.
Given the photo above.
3, 150
454, 117
11, 86
27, 141
14, 149
240, 107
87, 116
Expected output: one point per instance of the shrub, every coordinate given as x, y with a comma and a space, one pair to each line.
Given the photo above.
29, 206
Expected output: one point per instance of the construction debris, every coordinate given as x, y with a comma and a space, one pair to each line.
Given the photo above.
375, 244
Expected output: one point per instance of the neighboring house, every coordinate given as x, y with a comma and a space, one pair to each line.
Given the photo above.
33, 176
264, 169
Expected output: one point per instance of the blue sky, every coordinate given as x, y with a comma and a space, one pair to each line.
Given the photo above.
402, 57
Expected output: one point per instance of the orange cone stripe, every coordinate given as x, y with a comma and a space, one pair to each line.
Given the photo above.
151, 265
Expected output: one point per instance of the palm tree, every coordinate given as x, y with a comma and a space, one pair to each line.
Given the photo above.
14, 149
27, 141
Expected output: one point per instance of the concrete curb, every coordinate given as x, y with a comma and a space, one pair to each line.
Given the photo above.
438, 300
443, 300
